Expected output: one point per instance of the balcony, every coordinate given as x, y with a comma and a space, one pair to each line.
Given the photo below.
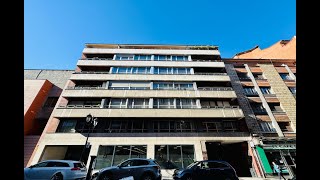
82, 111
203, 92
103, 75
148, 63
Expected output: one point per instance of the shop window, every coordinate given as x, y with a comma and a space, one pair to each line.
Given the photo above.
174, 156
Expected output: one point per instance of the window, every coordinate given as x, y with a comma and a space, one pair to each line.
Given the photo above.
42, 164
179, 58
258, 76
258, 108
186, 103
139, 162
172, 126
212, 126
230, 126
267, 127
275, 107
124, 57
51, 102
292, 90
138, 103
266, 90
171, 70
118, 103
122, 85
172, 85
67, 126
162, 57
114, 155
163, 103
243, 76
131, 70
285, 126
142, 57
126, 126
174, 156
285, 76
250, 91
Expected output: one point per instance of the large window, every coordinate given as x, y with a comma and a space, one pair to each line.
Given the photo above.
126, 126
186, 103
170, 58
172, 126
131, 70
123, 85
114, 155
171, 70
117, 103
164, 103
250, 91
172, 85
67, 126
142, 57
285, 76
138, 103
266, 90
267, 127
174, 156
124, 57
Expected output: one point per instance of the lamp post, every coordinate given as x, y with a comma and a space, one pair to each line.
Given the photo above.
91, 122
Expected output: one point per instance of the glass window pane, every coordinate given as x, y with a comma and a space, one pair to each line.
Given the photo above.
161, 155
104, 157
187, 155
138, 151
175, 159
121, 154
67, 126
122, 70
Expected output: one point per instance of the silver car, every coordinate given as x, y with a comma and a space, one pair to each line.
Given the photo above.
56, 170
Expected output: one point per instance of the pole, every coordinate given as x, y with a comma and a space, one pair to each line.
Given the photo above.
89, 174
85, 145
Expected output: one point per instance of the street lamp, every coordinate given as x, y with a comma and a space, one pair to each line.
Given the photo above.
91, 122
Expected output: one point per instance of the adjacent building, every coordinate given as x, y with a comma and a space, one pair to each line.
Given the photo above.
42, 89
265, 84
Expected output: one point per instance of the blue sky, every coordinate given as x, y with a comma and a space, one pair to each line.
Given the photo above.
55, 31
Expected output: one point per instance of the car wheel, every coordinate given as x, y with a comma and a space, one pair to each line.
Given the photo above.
187, 177
57, 177
105, 177
147, 177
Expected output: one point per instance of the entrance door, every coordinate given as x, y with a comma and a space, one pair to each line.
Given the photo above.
234, 153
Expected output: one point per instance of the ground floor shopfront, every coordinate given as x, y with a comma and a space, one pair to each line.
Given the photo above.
169, 152
280, 151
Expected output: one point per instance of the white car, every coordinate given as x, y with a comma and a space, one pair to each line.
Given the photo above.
56, 170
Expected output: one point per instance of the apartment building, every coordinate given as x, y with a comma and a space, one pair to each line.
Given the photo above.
172, 103
265, 84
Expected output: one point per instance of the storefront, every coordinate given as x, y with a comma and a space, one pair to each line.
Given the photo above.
282, 152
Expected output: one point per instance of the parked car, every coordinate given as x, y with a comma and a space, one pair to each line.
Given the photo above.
207, 169
138, 168
56, 170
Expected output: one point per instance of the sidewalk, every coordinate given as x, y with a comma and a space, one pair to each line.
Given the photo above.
240, 178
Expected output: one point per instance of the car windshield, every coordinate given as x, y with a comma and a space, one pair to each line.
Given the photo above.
192, 164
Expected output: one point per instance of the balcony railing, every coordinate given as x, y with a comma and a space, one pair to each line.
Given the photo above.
105, 72
111, 59
144, 107
260, 112
278, 112
260, 78
85, 87
269, 95
215, 89
244, 79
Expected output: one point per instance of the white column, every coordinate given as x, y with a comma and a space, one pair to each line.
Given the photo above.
150, 151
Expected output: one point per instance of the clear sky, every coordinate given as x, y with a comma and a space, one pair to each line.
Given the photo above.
55, 31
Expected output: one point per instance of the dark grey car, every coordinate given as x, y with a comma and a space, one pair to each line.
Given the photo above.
207, 169
139, 168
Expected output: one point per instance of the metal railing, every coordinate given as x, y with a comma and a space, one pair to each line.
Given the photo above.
85, 87
185, 60
215, 88
220, 107
269, 95
278, 112
105, 72
144, 107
